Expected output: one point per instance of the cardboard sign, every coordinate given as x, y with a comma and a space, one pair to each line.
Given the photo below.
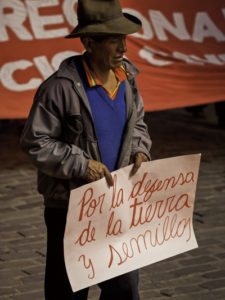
139, 221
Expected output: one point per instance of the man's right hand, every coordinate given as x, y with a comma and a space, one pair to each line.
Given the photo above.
96, 170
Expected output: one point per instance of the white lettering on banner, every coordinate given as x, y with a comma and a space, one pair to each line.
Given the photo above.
69, 12
38, 22
210, 58
42, 64
59, 57
157, 26
146, 27
186, 58
6, 75
204, 27
158, 58
222, 57
13, 20
153, 57
160, 24
45, 68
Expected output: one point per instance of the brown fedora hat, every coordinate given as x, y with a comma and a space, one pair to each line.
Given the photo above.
103, 17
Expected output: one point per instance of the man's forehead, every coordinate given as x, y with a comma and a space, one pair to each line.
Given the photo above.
108, 37
117, 36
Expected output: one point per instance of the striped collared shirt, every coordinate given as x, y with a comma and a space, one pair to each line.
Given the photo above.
120, 73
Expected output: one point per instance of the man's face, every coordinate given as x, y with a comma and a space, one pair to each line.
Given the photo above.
109, 52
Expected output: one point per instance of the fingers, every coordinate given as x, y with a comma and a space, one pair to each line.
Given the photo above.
139, 158
136, 166
96, 170
108, 177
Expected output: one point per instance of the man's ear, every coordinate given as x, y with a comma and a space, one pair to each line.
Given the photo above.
88, 43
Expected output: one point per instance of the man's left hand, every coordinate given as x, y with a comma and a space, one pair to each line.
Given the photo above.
138, 159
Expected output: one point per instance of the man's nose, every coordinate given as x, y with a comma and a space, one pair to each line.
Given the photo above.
123, 45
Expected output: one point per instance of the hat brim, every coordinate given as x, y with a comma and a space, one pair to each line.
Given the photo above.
126, 24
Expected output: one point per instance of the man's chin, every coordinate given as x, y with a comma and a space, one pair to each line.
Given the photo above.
116, 65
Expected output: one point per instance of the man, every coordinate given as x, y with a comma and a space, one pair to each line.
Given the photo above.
87, 121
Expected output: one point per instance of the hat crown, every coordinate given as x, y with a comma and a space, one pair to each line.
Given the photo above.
92, 11
103, 17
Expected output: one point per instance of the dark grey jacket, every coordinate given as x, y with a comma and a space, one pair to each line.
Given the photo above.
59, 135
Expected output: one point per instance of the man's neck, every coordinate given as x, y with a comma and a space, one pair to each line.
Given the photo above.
103, 73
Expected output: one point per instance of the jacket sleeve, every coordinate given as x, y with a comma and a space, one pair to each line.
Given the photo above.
42, 139
141, 141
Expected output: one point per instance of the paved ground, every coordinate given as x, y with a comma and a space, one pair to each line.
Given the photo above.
198, 274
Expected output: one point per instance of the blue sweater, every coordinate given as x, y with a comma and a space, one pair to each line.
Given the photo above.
110, 120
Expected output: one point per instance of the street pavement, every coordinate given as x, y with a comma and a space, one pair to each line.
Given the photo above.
194, 275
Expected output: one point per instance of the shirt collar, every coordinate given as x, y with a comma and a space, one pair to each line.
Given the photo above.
121, 74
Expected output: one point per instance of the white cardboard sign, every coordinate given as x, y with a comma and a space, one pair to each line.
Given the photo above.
139, 221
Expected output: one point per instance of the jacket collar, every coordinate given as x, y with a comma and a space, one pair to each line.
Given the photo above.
67, 69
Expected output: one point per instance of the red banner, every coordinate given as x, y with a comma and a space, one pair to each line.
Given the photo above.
180, 50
